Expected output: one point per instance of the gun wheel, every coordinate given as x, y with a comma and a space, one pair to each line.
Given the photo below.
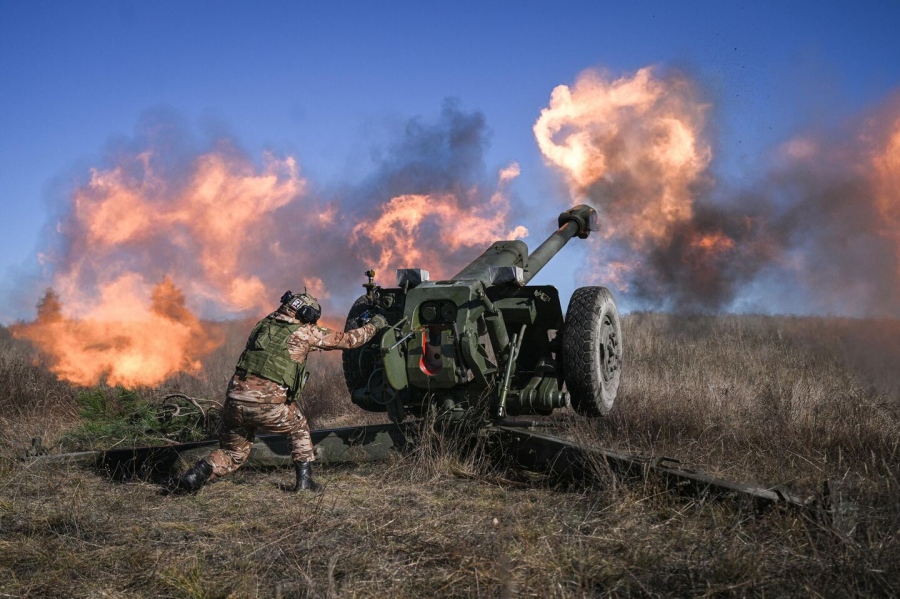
359, 363
592, 351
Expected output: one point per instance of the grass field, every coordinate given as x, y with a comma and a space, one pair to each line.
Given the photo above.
776, 400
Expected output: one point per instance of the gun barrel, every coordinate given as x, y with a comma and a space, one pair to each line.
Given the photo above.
501, 253
580, 221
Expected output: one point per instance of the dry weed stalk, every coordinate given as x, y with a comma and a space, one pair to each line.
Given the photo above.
748, 398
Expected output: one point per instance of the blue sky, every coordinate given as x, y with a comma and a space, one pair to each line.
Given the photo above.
324, 81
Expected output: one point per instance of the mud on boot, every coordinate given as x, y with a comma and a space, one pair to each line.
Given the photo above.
192, 480
304, 478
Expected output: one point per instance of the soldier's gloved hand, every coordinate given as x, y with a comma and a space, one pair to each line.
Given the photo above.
379, 321
363, 318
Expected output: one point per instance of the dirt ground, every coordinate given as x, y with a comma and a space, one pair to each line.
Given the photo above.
388, 530
772, 400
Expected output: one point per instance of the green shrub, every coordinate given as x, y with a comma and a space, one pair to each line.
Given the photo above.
123, 417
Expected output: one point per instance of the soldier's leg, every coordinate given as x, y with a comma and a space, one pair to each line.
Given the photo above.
234, 446
302, 449
302, 453
287, 418
236, 440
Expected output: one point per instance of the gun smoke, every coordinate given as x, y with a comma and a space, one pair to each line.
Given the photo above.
164, 234
818, 234
169, 233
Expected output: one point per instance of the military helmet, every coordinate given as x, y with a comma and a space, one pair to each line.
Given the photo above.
302, 306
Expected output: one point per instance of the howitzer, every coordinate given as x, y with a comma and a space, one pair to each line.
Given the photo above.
484, 342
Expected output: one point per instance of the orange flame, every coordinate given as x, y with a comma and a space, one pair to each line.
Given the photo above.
137, 346
633, 147
224, 210
711, 243
850, 207
145, 247
886, 163
424, 231
825, 225
130, 229
638, 134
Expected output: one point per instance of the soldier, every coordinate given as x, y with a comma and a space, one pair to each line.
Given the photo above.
269, 375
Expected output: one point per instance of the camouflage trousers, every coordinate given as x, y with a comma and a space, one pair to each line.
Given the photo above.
240, 421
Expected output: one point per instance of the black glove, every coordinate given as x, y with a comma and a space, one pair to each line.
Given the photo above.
379, 321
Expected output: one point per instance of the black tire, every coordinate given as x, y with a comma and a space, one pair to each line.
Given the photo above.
592, 351
358, 364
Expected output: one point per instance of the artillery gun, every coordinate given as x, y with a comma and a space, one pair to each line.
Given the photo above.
484, 342
475, 348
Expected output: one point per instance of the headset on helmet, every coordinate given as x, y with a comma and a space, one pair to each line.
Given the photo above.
304, 306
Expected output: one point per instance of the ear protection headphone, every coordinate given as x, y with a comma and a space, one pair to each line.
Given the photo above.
304, 306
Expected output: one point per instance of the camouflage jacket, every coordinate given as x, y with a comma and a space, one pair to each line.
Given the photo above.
256, 389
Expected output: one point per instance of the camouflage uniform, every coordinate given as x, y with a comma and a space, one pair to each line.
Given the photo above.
255, 402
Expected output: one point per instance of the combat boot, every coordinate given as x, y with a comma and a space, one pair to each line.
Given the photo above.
196, 477
304, 478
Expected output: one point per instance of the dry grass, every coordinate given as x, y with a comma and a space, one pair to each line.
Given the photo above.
771, 399
32, 402
777, 400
